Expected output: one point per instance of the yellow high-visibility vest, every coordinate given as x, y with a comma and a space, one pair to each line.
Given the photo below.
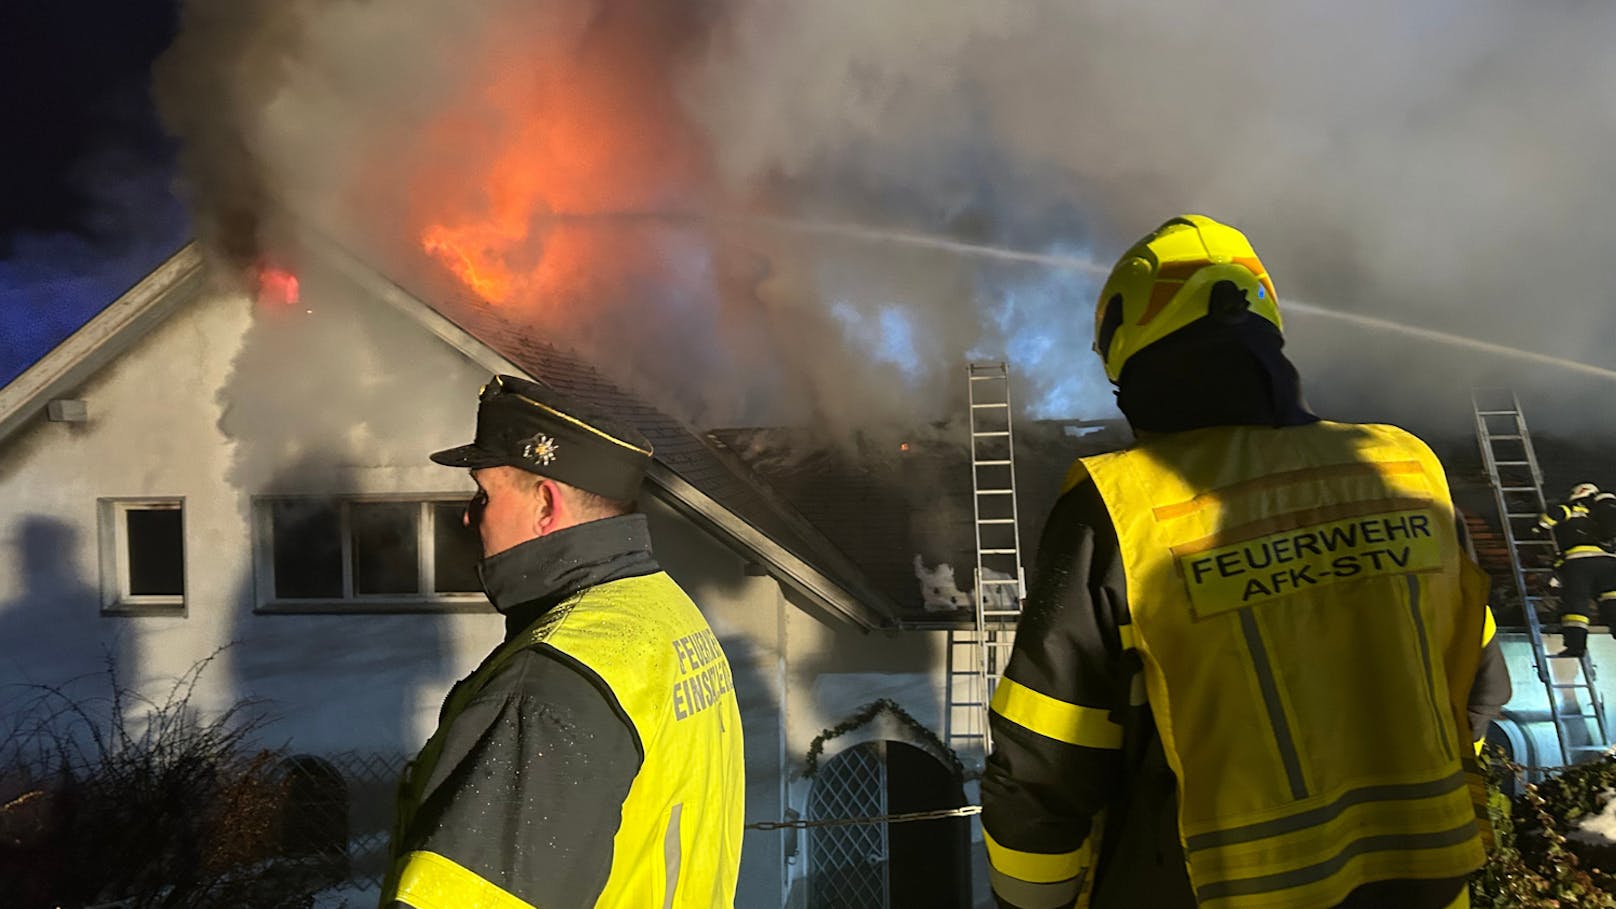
679, 842
1309, 630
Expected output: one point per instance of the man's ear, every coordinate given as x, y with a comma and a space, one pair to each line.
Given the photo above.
549, 507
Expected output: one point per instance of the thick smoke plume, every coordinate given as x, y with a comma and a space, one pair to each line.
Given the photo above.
628, 174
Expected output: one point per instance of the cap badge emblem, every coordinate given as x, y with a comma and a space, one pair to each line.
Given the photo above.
541, 449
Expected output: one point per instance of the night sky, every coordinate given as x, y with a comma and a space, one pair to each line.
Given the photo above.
87, 202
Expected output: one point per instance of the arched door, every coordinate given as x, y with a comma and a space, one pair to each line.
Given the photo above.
878, 866
847, 864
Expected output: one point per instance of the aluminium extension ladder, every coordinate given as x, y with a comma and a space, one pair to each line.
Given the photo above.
1575, 705
977, 657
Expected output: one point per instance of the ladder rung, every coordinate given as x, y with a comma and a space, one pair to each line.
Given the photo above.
993, 492
997, 551
1000, 462
991, 435
1000, 581
996, 520
1512, 463
1496, 436
1496, 413
1001, 612
1569, 684
986, 378
1523, 514
1518, 489
991, 404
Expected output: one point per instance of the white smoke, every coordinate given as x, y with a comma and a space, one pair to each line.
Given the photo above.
1441, 164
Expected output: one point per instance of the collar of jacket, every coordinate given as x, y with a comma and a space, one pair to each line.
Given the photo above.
1213, 374
529, 579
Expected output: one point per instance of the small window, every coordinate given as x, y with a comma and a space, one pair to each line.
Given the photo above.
366, 554
143, 555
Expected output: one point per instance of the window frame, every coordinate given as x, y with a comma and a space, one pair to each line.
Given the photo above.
350, 603
112, 533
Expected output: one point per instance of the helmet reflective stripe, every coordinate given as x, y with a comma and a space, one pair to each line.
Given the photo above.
1165, 283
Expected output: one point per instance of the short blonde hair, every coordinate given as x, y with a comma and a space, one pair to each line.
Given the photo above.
590, 506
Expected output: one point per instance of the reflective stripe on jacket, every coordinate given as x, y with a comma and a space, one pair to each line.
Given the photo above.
678, 842
1575, 530
1308, 630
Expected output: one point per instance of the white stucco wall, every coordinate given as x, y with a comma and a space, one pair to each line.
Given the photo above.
197, 411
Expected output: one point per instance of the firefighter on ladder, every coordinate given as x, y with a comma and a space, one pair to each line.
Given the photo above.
1586, 570
1600, 504
1254, 658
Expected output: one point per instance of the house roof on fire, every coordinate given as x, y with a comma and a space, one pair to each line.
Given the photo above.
698, 478
842, 530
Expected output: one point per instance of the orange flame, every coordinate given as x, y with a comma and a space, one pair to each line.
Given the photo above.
556, 142
277, 285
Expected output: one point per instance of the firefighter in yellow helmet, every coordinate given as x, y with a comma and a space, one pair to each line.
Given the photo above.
1585, 571
1255, 657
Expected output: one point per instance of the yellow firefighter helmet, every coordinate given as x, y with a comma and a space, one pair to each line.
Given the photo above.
1176, 276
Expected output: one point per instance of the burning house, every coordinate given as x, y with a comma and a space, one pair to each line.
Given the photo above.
391, 206
199, 468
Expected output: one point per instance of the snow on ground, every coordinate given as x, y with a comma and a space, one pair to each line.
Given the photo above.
1601, 827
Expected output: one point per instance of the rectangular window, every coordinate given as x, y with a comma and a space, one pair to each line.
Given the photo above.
143, 555
386, 547
456, 549
366, 554
308, 548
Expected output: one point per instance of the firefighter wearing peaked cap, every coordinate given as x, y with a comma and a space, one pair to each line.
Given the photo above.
1254, 657
594, 758
1586, 568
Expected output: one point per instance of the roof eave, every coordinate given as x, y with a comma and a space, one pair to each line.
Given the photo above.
787, 568
101, 340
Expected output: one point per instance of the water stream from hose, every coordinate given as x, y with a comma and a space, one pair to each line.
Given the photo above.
862, 233
1088, 266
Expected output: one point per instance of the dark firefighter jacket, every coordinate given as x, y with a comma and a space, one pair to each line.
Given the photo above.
594, 758
1575, 529
1090, 814
1602, 505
